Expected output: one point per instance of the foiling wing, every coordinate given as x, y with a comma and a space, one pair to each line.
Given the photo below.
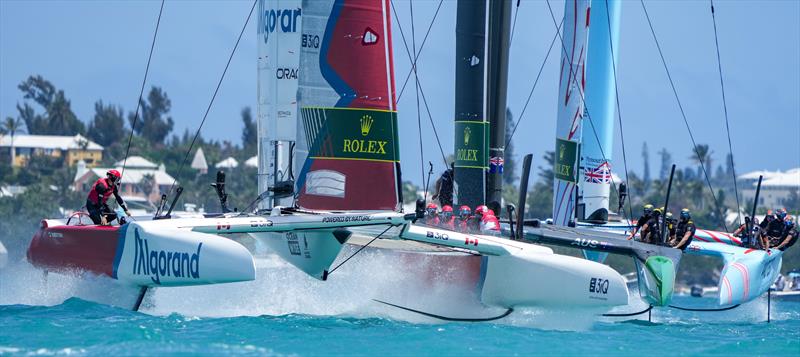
347, 140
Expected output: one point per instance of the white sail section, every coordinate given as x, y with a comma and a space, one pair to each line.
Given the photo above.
279, 40
570, 109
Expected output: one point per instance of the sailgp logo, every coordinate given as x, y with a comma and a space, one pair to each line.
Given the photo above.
159, 263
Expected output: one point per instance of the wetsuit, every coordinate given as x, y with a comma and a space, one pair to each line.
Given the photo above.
789, 232
640, 222
653, 230
774, 231
681, 230
102, 189
444, 185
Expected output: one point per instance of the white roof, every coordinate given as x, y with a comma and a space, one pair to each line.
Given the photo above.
228, 163
788, 179
252, 162
137, 162
755, 174
199, 162
49, 142
135, 176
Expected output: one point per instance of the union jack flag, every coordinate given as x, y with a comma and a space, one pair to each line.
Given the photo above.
496, 165
600, 174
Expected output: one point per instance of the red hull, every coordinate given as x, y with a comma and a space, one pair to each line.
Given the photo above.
88, 248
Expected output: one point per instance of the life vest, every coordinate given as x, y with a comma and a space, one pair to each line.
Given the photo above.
107, 191
681, 230
432, 220
490, 225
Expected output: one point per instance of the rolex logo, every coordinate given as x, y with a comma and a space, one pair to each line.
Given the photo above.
467, 133
366, 124
561, 150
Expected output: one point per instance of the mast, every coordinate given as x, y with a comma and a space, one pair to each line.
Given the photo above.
279, 42
471, 127
570, 109
499, 37
600, 99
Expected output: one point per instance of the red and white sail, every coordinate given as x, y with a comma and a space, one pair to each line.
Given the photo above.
347, 149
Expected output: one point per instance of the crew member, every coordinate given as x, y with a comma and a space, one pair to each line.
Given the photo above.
431, 215
789, 236
684, 232
444, 187
651, 229
462, 221
490, 224
96, 204
647, 212
671, 226
477, 217
774, 228
447, 221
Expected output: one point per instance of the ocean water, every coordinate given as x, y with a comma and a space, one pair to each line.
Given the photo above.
285, 313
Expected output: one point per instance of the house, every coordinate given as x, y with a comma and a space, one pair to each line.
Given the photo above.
199, 162
229, 163
252, 162
135, 184
776, 187
71, 149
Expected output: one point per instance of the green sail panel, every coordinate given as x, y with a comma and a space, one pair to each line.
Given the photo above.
472, 144
353, 134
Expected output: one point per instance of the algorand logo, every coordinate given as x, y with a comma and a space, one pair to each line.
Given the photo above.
283, 20
158, 263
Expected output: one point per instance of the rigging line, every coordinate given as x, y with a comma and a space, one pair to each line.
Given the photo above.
210, 103
424, 40
430, 117
141, 91
535, 82
619, 110
416, 83
725, 108
580, 91
683, 114
514, 24
328, 273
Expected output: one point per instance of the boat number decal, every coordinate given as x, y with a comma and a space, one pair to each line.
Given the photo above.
260, 224
598, 286
344, 219
437, 235
223, 227
583, 242
55, 235
159, 263
473, 241
294, 244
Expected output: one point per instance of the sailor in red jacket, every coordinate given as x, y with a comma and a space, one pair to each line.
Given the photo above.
96, 204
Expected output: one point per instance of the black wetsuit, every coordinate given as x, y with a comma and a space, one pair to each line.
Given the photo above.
653, 230
789, 231
774, 231
445, 184
680, 231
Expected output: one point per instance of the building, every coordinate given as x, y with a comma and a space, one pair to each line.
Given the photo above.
71, 149
199, 162
135, 185
776, 188
229, 163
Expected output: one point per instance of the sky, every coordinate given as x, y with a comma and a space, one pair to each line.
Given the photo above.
98, 50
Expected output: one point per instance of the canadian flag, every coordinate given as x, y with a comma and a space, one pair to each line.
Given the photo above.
473, 241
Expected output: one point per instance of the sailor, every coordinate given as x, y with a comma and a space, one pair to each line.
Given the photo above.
490, 224
652, 228
774, 228
444, 188
684, 232
447, 221
101, 190
475, 223
789, 236
671, 225
431, 215
462, 221
647, 212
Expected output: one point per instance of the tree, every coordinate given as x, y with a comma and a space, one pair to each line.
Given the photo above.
249, 132
702, 157
108, 125
148, 185
11, 127
58, 118
646, 158
154, 122
546, 173
509, 170
666, 164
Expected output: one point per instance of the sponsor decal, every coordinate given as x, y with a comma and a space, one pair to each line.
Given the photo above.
159, 263
566, 159
55, 235
469, 240
309, 41
284, 113
370, 37
345, 219
282, 20
260, 224
474, 61
294, 244
361, 134
286, 73
583, 242
437, 235
472, 145
598, 286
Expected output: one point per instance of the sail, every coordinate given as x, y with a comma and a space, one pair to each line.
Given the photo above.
598, 133
347, 148
278, 28
570, 109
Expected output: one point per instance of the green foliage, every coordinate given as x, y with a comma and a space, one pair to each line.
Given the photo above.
154, 122
58, 118
108, 125
249, 132
21, 216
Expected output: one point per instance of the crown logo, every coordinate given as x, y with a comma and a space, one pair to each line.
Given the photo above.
467, 133
366, 124
561, 150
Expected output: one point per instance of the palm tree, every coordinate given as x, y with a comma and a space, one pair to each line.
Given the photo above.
702, 156
11, 127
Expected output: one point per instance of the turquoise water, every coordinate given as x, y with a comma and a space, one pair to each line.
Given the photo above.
284, 313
